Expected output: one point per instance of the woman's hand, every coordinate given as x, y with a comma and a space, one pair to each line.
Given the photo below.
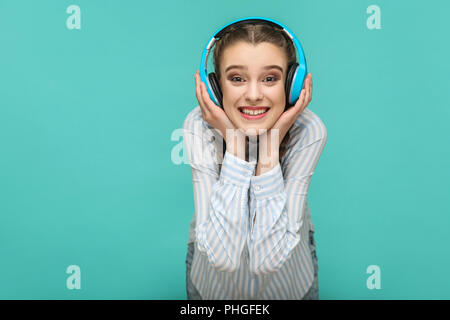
287, 119
268, 152
217, 118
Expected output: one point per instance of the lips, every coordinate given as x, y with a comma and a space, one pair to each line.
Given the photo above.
253, 108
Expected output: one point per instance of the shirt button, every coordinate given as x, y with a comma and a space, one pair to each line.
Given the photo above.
257, 188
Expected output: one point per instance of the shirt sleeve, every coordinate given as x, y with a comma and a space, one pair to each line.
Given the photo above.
277, 205
221, 202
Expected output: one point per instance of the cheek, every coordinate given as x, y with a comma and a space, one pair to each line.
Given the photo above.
281, 96
231, 95
276, 113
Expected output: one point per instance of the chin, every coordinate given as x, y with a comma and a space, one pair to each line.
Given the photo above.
254, 130
258, 127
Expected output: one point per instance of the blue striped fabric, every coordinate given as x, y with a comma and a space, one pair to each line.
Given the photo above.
251, 232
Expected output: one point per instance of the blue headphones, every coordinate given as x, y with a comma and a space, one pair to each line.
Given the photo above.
296, 73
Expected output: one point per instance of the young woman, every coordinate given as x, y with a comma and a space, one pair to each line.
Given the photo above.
251, 236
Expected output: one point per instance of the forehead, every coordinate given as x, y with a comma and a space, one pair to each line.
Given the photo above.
253, 56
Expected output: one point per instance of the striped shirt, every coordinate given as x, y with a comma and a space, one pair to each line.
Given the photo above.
236, 258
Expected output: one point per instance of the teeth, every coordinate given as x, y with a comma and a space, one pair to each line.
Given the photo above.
253, 112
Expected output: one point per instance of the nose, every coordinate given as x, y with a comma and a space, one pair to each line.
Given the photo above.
253, 92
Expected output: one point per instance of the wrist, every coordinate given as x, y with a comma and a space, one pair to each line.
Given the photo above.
236, 143
266, 164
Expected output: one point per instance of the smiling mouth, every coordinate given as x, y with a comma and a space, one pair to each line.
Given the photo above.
253, 111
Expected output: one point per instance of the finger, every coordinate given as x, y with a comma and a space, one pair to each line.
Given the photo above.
293, 112
202, 95
199, 94
307, 92
304, 101
310, 87
197, 88
207, 100
207, 103
301, 101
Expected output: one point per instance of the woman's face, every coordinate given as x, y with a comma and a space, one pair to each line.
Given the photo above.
253, 76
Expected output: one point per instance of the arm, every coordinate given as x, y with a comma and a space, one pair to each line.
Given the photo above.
277, 206
221, 202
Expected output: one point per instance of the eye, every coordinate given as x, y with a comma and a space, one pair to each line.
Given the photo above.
273, 78
232, 79
240, 79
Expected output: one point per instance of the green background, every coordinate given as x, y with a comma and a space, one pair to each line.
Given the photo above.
86, 119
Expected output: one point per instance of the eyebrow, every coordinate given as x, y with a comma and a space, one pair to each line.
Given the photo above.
244, 67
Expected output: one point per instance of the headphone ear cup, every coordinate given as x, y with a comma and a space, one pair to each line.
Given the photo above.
288, 85
215, 87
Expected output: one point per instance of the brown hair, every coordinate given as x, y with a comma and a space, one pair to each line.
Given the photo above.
254, 34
